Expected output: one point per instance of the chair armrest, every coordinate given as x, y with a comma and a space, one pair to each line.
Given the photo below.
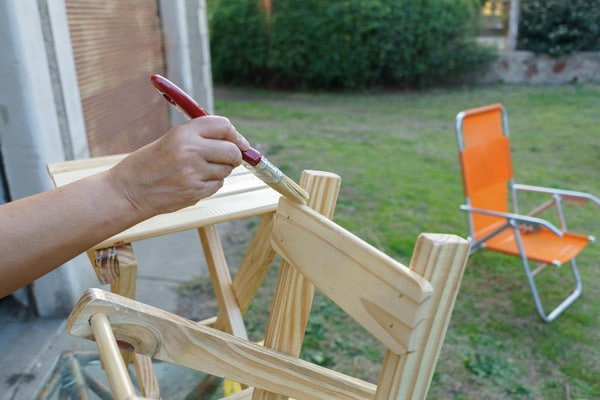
515, 217
574, 196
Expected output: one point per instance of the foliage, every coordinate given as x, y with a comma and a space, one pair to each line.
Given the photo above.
344, 44
559, 27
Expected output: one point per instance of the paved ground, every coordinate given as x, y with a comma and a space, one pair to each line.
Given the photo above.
30, 347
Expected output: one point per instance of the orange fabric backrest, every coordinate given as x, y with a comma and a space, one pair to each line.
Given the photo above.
485, 163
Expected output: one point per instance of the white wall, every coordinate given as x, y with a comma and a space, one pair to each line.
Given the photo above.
34, 121
185, 31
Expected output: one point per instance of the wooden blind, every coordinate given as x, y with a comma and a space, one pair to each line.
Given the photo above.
117, 45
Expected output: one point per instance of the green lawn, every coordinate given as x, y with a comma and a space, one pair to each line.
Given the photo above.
397, 156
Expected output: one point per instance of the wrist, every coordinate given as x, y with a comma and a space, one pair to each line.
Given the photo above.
118, 198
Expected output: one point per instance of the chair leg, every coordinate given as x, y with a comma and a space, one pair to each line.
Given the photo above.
551, 316
116, 371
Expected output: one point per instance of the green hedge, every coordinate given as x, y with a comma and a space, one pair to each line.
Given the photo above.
344, 43
559, 27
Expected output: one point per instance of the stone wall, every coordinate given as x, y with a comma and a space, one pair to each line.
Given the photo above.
523, 67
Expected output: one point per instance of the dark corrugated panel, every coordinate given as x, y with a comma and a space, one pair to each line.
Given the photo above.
117, 45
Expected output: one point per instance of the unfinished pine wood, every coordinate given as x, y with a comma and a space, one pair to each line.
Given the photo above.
68, 171
147, 380
243, 395
242, 195
229, 310
258, 259
441, 259
118, 266
170, 338
116, 371
174, 339
381, 294
407, 309
108, 263
256, 263
294, 294
127, 266
104, 262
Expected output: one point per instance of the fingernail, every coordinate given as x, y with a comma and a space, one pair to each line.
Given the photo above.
245, 142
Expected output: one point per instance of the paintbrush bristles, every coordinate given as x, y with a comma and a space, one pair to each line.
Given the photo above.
275, 178
290, 189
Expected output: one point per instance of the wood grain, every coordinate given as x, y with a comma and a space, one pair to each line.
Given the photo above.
381, 294
293, 296
116, 371
170, 338
407, 308
441, 259
229, 310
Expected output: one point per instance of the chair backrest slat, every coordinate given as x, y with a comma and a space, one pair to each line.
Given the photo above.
384, 296
484, 153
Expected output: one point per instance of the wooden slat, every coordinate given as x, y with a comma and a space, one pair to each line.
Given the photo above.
381, 294
207, 212
68, 171
116, 371
171, 338
127, 265
441, 259
144, 370
240, 180
124, 283
257, 261
243, 395
294, 293
229, 310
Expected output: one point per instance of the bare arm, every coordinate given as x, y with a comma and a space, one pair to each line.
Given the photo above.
41, 232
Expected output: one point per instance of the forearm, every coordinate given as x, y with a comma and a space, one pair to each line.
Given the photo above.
41, 232
188, 163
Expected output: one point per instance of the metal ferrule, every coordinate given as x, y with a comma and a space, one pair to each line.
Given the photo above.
266, 171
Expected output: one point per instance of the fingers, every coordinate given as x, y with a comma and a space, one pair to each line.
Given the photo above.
212, 171
220, 128
219, 152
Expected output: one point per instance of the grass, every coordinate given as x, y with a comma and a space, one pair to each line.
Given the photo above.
396, 153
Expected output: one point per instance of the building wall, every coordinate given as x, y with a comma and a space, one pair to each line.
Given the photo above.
41, 114
117, 45
527, 68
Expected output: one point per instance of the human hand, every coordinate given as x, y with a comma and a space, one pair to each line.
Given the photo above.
185, 165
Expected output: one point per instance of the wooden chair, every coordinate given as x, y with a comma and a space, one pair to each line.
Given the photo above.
489, 186
407, 308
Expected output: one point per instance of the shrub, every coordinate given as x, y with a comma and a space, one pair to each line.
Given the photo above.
559, 27
344, 43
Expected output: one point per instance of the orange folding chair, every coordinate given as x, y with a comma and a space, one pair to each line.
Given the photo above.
484, 151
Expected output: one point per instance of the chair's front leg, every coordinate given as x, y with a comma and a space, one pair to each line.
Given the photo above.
118, 266
110, 355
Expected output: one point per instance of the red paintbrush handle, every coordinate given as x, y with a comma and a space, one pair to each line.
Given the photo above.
188, 107
177, 97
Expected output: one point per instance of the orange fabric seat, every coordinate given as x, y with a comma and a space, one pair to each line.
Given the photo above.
542, 246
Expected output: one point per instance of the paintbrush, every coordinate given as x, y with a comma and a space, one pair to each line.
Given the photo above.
253, 159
